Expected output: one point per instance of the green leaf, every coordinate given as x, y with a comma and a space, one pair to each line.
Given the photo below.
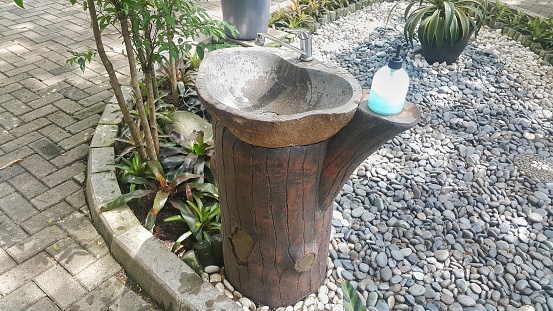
183, 237
352, 302
205, 187
159, 203
123, 199
19, 3
156, 168
182, 178
186, 214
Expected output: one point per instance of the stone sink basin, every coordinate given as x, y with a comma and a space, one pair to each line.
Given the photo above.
267, 97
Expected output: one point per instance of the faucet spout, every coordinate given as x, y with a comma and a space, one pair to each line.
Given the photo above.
306, 44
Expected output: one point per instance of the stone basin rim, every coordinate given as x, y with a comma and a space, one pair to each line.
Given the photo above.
324, 121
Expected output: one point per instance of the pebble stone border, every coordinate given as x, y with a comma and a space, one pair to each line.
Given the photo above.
161, 274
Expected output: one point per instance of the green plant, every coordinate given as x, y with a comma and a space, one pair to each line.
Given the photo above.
202, 220
352, 301
501, 12
190, 154
133, 171
437, 20
80, 58
165, 188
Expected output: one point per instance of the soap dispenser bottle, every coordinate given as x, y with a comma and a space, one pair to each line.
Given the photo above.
389, 87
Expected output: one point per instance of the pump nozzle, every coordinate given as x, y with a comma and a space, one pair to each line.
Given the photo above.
396, 62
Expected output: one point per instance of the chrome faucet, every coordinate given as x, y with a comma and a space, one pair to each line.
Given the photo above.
306, 43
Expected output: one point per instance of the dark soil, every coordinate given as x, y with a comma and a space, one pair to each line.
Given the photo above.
166, 232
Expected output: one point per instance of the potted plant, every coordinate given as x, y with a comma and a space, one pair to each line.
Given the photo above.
248, 16
443, 27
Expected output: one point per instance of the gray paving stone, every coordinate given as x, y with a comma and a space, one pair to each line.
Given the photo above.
79, 227
35, 243
9, 121
68, 106
48, 217
60, 286
44, 304
77, 139
54, 133
21, 153
46, 148
17, 207
21, 298
73, 155
10, 172
24, 272
38, 166
77, 199
16, 107
64, 174
38, 113
91, 121
95, 109
6, 262
61, 119
28, 185
97, 247
101, 297
129, 301
55, 195
21, 141
30, 127
5, 189
98, 272
72, 256
10, 233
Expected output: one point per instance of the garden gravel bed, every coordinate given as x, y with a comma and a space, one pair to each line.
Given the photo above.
456, 213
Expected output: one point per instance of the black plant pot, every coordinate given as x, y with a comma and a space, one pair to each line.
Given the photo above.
449, 52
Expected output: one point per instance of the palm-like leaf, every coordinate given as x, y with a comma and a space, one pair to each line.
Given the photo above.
436, 20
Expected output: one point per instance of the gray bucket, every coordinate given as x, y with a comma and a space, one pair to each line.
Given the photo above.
248, 16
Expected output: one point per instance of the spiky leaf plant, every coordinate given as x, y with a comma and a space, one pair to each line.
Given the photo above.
439, 21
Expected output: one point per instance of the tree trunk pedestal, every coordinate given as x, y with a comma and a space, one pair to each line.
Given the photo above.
276, 204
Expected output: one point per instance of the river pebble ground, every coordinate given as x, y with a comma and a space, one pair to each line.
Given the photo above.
456, 213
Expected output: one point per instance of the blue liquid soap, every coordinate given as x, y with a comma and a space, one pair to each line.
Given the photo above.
389, 87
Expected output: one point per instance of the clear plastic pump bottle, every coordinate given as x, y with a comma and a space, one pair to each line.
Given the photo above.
389, 87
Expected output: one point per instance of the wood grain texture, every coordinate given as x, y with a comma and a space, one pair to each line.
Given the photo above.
275, 204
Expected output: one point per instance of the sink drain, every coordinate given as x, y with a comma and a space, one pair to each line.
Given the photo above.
535, 167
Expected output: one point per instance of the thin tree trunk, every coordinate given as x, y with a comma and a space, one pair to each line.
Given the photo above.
152, 106
114, 82
136, 88
173, 80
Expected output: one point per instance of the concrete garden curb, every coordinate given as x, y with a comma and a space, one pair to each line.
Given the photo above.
160, 273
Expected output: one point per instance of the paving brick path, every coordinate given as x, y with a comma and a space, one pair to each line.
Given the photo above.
544, 8
51, 257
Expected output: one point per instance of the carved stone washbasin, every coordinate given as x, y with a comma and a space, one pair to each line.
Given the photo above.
287, 137
267, 98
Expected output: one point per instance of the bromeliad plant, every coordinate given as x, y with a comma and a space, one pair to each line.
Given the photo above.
163, 189
202, 220
184, 167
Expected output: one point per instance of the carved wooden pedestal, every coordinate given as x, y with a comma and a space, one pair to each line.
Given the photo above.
276, 204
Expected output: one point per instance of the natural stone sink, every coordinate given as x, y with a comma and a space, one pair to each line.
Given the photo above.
267, 98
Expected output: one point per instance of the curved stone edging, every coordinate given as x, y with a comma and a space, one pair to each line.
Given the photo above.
159, 272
